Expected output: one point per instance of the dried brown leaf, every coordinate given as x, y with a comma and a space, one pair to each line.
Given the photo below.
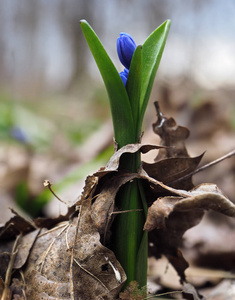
159, 211
24, 247
22, 224
104, 203
93, 258
65, 267
17, 224
68, 261
114, 161
172, 136
207, 196
169, 217
172, 169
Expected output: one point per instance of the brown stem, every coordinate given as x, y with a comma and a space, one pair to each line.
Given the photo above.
48, 184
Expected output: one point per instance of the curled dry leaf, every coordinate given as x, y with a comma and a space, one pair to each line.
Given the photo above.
159, 211
207, 196
169, 217
114, 161
104, 200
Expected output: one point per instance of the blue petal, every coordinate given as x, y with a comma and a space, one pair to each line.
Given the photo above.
125, 48
124, 75
18, 134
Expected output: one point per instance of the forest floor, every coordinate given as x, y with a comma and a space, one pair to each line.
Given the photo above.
66, 138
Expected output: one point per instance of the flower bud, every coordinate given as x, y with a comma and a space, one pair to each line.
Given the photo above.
124, 75
125, 49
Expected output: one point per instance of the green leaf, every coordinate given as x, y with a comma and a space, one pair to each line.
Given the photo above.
142, 261
124, 131
133, 86
152, 52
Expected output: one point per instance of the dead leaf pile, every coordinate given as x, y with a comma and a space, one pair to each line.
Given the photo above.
68, 257
66, 261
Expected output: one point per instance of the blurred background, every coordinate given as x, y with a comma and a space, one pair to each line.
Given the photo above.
54, 116
55, 121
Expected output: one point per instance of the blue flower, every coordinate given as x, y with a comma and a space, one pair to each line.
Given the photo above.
125, 48
124, 75
19, 134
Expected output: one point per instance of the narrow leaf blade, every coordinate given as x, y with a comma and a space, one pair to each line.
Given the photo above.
152, 52
120, 106
133, 86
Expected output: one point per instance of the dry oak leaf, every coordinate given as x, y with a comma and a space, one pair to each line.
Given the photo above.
172, 161
170, 170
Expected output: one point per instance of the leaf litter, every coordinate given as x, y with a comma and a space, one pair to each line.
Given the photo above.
68, 257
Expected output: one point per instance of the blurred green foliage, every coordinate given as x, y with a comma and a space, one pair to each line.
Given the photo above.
34, 126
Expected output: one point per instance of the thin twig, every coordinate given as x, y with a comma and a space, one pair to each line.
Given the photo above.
228, 155
48, 184
92, 275
162, 294
125, 211
63, 224
115, 213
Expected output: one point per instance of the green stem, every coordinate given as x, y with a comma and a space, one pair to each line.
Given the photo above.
129, 240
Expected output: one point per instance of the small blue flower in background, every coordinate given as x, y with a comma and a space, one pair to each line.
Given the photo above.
124, 75
125, 49
19, 134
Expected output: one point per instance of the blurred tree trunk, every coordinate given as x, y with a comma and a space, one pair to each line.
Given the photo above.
70, 16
